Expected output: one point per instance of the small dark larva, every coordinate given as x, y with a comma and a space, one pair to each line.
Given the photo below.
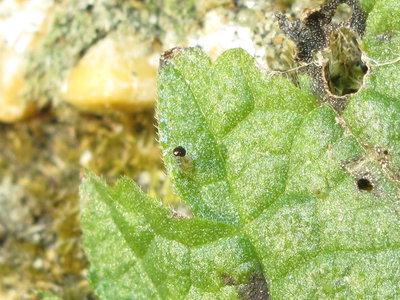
183, 162
179, 151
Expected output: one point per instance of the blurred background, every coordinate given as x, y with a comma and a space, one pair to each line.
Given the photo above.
78, 91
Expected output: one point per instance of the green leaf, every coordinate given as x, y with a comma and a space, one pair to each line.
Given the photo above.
373, 113
210, 111
136, 248
367, 5
291, 200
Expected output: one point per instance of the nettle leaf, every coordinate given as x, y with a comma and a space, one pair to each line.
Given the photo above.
291, 199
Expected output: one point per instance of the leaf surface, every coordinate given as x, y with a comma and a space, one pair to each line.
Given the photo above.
290, 199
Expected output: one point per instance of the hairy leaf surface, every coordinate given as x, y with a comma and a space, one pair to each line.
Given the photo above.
291, 200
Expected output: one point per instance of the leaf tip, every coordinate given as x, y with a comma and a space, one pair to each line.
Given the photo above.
169, 55
87, 188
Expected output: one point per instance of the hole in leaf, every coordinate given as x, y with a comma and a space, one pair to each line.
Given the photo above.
345, 69
385, 152
364, 184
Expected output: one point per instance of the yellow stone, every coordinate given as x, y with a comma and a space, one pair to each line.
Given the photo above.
114, 73
22, 24
12, 106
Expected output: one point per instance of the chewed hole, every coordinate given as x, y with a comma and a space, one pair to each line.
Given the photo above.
345, 69
364, 184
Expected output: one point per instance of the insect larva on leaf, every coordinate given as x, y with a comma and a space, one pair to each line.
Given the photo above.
184, 163
179, 151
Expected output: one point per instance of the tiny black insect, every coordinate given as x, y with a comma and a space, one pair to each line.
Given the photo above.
179, 151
